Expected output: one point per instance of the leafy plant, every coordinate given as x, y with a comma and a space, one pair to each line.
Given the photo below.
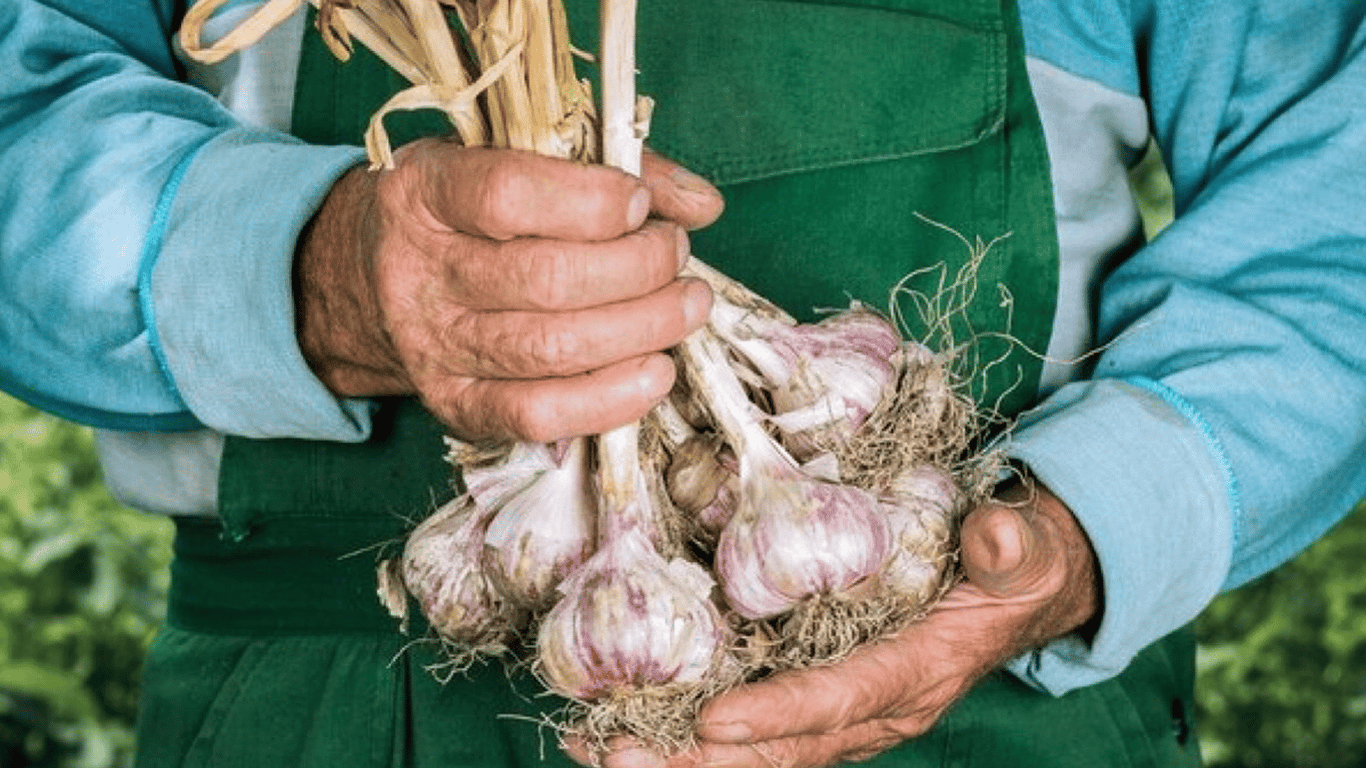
1282, 662
82, 585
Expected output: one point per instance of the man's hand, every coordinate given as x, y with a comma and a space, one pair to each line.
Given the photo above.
519, 296
1030, 578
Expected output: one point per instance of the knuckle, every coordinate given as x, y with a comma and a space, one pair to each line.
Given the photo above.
844, 703
495, 201
532, 419
549, 279
871, 749
461, 340
457, 408
908, 727
551, 349
783, 753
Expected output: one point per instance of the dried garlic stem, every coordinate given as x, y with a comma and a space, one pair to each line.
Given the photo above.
245, 35
623, 140
620, 473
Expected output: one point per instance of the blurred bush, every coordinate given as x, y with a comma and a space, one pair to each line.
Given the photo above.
1282, 662
82, 585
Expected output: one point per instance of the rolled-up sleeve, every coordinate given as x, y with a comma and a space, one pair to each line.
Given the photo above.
1224, 427
147, 236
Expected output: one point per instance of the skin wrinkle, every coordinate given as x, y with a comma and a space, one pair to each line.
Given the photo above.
880, 695
559, 349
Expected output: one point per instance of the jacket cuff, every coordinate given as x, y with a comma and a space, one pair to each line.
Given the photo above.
1150, 486
222, 304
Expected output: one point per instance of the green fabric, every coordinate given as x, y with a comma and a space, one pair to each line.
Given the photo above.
336, 685
829, 126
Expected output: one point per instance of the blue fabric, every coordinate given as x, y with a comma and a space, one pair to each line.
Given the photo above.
1226, 428
129, 302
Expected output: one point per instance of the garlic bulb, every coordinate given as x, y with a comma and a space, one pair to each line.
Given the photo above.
929, 485
546, 529
792, 536
824, 379
629, 620
920, 511
441, 568
703, 481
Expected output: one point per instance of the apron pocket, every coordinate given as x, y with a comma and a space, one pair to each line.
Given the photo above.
246, 702
781, 87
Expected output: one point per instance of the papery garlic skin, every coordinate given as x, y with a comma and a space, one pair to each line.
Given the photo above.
441, 568
712, 519
845, 366
793, 539
824, 379
490, 484
630, 620
545, 530
916, 567
920, 512
703, 480
930, 485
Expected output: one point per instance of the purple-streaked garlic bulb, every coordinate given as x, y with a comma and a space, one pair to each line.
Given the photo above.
823, 379
441, 568
630, 620
793, 536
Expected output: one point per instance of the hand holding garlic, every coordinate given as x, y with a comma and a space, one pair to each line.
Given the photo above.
1030, 578
518, 295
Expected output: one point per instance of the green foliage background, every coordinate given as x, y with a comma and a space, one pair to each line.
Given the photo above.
82, 585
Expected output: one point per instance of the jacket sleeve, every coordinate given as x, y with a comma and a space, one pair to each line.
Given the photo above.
147, 237
1224, 426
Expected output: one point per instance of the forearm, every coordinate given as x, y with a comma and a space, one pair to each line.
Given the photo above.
1223, 428
148, 237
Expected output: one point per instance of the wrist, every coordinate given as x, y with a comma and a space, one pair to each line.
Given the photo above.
338, 324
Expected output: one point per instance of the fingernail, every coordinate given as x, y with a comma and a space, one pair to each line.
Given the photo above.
683, 248
637, 209
696, 304
654, 377
691, 183
726, 733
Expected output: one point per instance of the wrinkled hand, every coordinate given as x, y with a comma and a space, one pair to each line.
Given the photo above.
1030, 578
519, 296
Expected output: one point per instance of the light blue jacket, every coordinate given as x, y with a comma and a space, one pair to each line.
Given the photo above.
147, 236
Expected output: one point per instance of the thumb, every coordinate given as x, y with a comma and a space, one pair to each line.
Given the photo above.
1006, 552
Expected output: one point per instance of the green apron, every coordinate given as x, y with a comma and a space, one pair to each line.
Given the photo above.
838, 130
